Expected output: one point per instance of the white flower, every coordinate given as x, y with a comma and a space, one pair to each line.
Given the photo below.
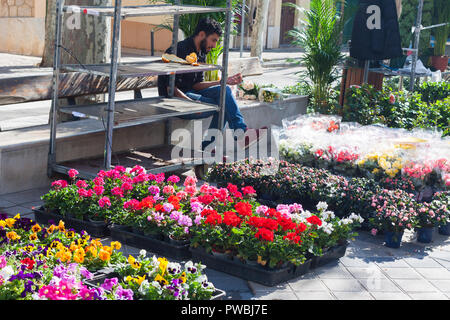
241, 94
143, 253
327, 227
356, 217
327, 215
322, 205
143, 288
305, 214
248, 86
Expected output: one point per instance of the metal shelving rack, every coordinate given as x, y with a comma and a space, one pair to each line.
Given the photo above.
143, 110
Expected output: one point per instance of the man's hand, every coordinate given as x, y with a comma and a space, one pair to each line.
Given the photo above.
236, 79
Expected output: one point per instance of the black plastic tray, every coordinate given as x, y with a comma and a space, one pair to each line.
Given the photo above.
100, 277
332, 254
257, 274
95, 229
160, 247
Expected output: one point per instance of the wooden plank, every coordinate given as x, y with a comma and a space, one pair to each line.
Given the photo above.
74, 84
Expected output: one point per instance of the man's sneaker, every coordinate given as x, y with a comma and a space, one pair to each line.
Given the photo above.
253, 137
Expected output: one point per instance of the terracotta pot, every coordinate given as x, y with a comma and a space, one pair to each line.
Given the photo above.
439, 62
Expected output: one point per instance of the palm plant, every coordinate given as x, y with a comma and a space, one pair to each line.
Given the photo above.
442, 14
188, 23
319, 36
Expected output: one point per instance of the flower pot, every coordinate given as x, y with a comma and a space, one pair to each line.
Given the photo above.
177, 242
445, 229
439, 62
137, 231
425, 234
393, 239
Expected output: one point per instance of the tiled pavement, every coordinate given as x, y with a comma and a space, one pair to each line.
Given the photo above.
368, 271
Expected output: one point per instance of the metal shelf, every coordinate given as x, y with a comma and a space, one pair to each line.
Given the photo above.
140, 69
140, 111
144, 10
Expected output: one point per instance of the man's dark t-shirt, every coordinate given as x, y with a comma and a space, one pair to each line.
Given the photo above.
184, 81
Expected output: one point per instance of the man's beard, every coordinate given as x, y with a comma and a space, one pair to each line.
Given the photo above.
203, 46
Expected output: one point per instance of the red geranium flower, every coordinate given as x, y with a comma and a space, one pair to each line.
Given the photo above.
231, 219
28, 262
206, 199
232, 188
248, 191
292, 236
286, 223
207, 212
243, 208
301, 227
264, 234
314, 220
270, 224
159, 208
257, 222
147, 203
214, 219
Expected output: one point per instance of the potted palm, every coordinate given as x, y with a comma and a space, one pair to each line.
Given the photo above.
442, 15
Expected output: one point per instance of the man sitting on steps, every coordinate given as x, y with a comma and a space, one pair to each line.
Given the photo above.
192, 86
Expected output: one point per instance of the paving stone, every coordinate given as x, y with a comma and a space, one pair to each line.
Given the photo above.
308, 285
422, 263
12, 211
32, 204
428, 296
363, 273
313, 295
356, 262
380, 285
444, 263
343, 285
25, 196
442, 285
390, 296
391, 263
434, 273
332, 272
402, 273
254, 286
275, 295
353, 296
6, 204
415, 285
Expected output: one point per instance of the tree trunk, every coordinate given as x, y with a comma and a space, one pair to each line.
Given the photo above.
259, 28
86, 38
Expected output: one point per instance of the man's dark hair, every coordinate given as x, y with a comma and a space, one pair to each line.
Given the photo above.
209, 26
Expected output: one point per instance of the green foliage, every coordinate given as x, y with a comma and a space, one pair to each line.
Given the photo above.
433, 91
408, 19
441, 15
319, 37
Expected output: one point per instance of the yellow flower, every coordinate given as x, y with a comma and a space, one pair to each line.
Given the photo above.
92, 251
66, 256
116, 245
2, 223
132, 261
163, 262
70, 234
12, 235
140, 279
61, 226
10, 222
78, 256
49, 254
36, 228
108, 249
183, 277
104, 255
33, 237
51, 229
17, 216
73, 246
375, 171
161, 280
81, 242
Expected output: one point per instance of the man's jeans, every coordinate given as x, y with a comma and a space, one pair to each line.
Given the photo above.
211, 95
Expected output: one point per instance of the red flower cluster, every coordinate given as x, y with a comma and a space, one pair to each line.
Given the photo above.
207, 212
231, 219
175, 201
205, 199
213, 219
147, 202
286, 223
264, 234
314, 220
28, 262
292, 236
243, 208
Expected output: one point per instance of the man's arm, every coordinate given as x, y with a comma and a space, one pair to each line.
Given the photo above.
179, 94
236, 79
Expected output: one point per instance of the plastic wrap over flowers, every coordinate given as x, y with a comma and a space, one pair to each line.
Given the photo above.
373, 151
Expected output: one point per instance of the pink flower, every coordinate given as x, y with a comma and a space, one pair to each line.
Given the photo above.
391, 99
99, 190
2, 262
60, 184
132, 205
82, 193
127, 186
173, 179
81, 184
374, 232
73, 173
98, 181
104, 202
168, 189
182, 195
190, 181
116, 191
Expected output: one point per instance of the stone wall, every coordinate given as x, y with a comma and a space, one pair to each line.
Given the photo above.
17, 8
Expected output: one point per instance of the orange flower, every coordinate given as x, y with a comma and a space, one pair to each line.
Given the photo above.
104, 255
10, 222
33, 237
36, 228
51, 229
116, 245
73, 246
78, 256
108, 249
92, 251
61, 226
12, 235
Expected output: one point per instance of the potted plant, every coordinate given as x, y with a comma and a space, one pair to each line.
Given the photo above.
441, 205
442, 15
394, 213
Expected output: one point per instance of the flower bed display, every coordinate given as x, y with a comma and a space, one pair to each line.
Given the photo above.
386, 210
51, 262
419, 158
156, 214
